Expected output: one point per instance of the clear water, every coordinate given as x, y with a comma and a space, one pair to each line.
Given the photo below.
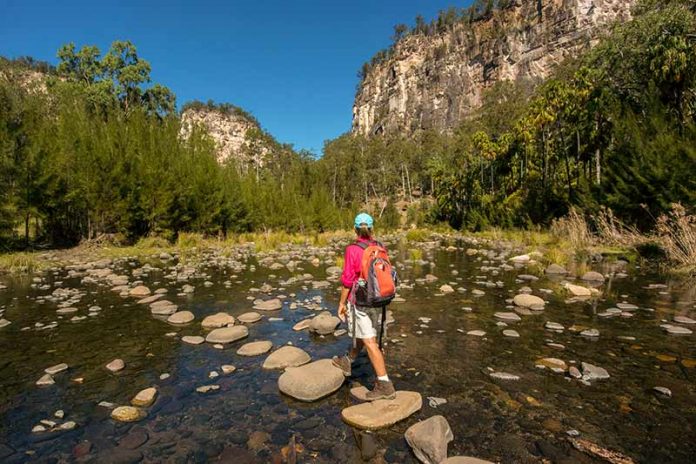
248, 420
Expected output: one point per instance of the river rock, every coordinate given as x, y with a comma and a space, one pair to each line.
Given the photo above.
592, 372
676, 330
528, 301
554, 326
684, 320
464, 460
250, 317
287, 356
429, 439
127, 414
180, 317
116, 365
144, 397
476, 333
227, 334
163, 308
504, 376
383, 413
446, 289
268, 305
53, 370
192, 339
140, 291
45, 380
577, 290
590, 333
507, 316
312, 381
324, 324
552, 363
217, 320
4, 323
511, 333
303, 324
592, 276
149, 299
663, 391
255, 348
556, 269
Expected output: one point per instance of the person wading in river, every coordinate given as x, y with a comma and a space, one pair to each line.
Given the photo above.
369, 284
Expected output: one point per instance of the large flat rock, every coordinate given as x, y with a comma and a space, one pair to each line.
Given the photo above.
215, 321
255, 348
287, 356
383, 413
227, 334
311, 381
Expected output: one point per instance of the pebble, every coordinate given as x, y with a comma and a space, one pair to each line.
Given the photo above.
663, 391
53, 370
504, 376
507, 316
45, 380
207, 388
476, 333
144, 397
192, 339
590, 333
116, 365
511, 333
227, 369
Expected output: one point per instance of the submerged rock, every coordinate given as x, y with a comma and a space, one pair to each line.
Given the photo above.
192, 339
504, 376
268, 305
383, 413
287, 356
429, 439
139, 291
507, 316
556, 269
250, 317
144, 397
577, 290
116, 365
592, 276
592, 372
53, 370
127, 414
312, 381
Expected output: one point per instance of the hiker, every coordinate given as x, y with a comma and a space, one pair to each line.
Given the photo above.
363, 296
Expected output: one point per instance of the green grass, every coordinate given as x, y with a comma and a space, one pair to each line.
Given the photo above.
21, 263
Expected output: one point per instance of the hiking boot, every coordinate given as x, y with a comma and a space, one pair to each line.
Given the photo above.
344, 363
381, 391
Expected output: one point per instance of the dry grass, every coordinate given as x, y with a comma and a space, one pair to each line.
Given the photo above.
676, 232
20, 263
574, 229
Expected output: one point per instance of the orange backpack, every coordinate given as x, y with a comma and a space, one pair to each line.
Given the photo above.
376, 286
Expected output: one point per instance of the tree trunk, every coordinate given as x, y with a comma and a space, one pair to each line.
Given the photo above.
26, 229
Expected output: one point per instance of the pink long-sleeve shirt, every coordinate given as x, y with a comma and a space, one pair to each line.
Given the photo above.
352, 262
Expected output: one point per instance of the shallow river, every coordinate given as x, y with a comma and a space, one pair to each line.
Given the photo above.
248, 420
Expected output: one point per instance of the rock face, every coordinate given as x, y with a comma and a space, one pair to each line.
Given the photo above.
383, 413
428, 439
236, 134
435, 82
311, 381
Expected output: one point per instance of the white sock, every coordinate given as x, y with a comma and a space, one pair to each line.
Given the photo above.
383, 378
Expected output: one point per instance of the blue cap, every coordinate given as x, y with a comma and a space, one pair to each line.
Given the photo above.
364, 218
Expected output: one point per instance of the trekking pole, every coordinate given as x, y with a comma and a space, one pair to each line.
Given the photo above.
381, 327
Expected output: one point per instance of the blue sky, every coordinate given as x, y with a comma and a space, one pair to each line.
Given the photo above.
293, 64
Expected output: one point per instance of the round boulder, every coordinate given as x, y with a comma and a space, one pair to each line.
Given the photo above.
526, 300
180, 317
429, 439
127, 414
287, 356
255, 348
227, 334
324, 324
311, 381
250, 317
216, 321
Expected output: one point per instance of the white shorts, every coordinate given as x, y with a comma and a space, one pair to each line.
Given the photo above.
366, 323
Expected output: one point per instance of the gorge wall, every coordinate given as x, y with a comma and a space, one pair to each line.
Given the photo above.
434, 82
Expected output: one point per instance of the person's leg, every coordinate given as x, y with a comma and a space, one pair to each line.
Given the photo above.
376, 356
355, 350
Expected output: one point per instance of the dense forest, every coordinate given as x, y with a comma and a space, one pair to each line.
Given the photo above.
91, 147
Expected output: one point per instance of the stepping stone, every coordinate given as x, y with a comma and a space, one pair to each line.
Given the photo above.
150, 299
359, 393
312, 381
250, 317
577, 290
116, 365
217, 320
684, 320
269, 305
163, 308
139, 291
511, 333
255, 348
592, 276
383, 413
287, 356
507, 316
304, 324
127, 414
476, 333
180, 317
145, 397
53, 370
676, 330
192, 339
553, 326
227, 334
324, 324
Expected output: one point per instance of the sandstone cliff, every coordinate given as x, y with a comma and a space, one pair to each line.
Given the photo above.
434, 82
237, 135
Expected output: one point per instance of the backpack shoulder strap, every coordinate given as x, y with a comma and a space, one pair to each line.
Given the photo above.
362, 245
